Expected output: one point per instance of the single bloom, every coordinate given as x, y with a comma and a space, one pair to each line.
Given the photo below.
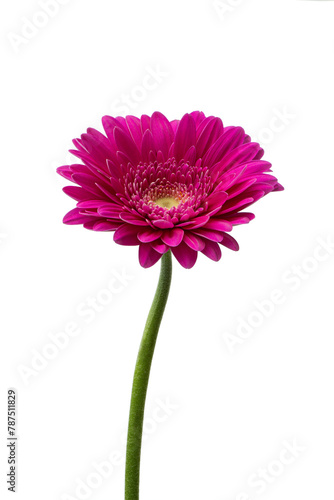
161, 185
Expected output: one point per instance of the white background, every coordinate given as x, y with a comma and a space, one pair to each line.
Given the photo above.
234, 407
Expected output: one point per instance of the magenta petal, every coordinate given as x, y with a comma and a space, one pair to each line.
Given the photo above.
159, 246
77, 193
209, 234
236, 204
216, 199
172, 237
185, 255
133, 124
163, 224
259, 154
230, 139
240, 188
89, 225
105, 226
110, 210
198, 117
96, 148
196, 222
88, 182
229, 242
147, 255
65, 171
218, 225
212, 250
174, 124
162, 132
240, 218
241, 154
75, 217
91, 203
109, 123
147, 145
132, 219
185, 136
193, 241
209, 135
190, 155
126, 144
126, 235
149, 235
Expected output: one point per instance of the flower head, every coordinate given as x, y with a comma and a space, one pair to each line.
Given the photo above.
160, 185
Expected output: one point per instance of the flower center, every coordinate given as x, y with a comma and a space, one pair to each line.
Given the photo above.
167, 202
169, 190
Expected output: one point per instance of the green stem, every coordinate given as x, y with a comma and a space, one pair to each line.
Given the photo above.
141, 377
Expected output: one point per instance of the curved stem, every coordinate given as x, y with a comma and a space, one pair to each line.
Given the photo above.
141, 377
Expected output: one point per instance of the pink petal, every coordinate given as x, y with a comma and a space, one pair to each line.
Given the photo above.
100, 141
185, 136
126, 235
198, 117
133, 124
196, 222
240, 218
190, 155
96, 149
147, 255
259, 154
91, 203
240, 188
126, 145
185, 255
145, 122
159, 246
89, 225
110, 210
77, 193
193, 241
241, 154
226, 142
149, 235
162, 132
209, 234
75, 217
209, 135
216, 199
147, 145
132, 219
174, 124
109, 124
172, 237
105, 226
212, 250
163, 224
236, 204
86, 181
218, 225
114, 168
230, 242
201, 126
65, 171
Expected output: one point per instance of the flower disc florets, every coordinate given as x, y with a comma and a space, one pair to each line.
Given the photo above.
163, 185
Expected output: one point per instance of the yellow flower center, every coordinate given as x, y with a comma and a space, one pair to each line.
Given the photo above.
167, 202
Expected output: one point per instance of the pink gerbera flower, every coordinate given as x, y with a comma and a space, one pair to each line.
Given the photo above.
179, 185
